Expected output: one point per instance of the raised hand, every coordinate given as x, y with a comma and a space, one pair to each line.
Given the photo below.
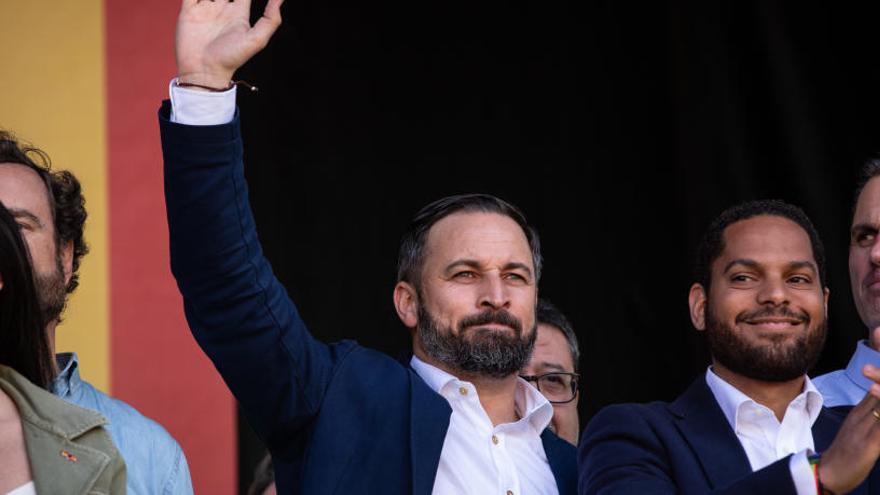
214, 38
855, 449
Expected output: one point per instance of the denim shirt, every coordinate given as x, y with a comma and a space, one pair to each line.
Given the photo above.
154, 461
847, 387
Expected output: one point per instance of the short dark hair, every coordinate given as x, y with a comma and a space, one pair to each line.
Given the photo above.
24, 344
412, 244
549, 314
870, 169
65, 197
712, 244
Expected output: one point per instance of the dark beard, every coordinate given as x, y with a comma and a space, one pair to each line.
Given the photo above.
52, 292
774, 361
472, 350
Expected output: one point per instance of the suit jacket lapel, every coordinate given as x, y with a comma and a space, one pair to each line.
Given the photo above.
704, 426
824, 429
562, 458
429, 417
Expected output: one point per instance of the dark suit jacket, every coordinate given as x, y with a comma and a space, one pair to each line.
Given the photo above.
685, 447
337, 418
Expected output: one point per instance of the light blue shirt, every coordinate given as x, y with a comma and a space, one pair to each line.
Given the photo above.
847, 387
154, 462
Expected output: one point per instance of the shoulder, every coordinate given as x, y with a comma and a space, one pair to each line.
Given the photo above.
831, 379
124, 416
369, 370
838, 389
142, 441
632, 416
629, 427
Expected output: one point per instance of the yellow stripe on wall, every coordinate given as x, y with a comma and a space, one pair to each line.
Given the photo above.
53, 97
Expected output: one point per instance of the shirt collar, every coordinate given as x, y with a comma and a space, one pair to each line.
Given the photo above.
531, 405
67, 382
863, 355
731, 399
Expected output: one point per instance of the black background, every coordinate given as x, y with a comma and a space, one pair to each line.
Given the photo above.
620, 128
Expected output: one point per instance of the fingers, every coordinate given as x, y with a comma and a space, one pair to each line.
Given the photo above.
268, 23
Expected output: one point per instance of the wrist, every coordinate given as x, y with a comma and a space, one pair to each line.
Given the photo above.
206, 79
824, 479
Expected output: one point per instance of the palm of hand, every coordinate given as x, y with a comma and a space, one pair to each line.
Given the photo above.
214, 39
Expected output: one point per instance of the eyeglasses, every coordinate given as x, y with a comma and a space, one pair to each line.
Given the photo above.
558, 388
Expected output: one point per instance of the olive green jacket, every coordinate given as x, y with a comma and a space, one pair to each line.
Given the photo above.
68, 449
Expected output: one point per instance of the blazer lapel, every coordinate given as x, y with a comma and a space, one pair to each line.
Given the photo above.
429, 416
825, 428
562, 458
705, 428
64, 467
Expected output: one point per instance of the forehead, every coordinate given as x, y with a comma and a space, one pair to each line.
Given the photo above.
21, 188
486, 237
767, 239
868, 204
551, 347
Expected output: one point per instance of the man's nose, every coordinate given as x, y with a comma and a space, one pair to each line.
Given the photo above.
874, 254
773, 291
494, 292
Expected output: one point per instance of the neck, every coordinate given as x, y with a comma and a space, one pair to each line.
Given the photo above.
497, 395
774, 395
50, 338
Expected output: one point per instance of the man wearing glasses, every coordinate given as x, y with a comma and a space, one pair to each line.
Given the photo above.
553, 369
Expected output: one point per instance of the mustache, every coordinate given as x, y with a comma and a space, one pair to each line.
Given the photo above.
769, 312
501, 317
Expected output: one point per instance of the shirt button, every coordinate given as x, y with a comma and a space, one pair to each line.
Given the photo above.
509, 492
495, 441
462, 391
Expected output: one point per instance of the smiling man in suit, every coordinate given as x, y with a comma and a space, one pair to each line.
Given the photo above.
340, 418
752, 423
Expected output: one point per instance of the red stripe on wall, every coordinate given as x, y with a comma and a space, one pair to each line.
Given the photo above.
156, 366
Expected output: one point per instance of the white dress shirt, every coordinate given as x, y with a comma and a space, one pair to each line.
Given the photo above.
477, 457
763, 437
483, 459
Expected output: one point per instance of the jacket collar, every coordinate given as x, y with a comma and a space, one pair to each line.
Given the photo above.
51, 427
46, 411
706, 429
429, 417
562, 457
704, 426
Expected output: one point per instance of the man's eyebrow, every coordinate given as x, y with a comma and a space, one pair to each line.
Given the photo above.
863, 227
18, 213
515, 265
463, 262
794, 265
552, 366
477, 265
741, 261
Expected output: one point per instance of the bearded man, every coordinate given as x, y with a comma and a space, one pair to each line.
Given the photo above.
341, 418
754, 422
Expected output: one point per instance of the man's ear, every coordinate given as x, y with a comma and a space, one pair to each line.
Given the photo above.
406, 302
826, 292
66, 252
697, 302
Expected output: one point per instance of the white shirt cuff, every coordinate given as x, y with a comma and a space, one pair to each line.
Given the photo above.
802, 474
194, 107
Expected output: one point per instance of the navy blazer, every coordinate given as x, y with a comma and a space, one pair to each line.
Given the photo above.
337, 418
685, 447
